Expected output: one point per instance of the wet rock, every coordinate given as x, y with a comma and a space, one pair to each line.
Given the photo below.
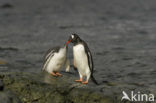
9, 97
105, 81
43, 88
111, 84
1, 85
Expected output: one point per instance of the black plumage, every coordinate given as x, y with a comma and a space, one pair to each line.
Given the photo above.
49, 54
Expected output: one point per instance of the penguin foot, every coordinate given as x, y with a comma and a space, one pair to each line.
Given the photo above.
85, 82
53, 74
79, 80
58, 74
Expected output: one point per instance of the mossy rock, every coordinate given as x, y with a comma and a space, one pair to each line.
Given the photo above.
33, 88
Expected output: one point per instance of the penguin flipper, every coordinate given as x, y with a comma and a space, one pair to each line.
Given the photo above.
46, 62
89, 57
48, 55
51, 52
90, 62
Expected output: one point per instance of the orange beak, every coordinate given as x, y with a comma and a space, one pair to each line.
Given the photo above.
68, 42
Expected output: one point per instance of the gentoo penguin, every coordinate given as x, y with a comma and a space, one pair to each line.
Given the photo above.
55, 59
82, 59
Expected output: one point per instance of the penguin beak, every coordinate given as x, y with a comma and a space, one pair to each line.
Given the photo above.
68, 42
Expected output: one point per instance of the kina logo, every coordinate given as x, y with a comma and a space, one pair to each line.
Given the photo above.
137, 97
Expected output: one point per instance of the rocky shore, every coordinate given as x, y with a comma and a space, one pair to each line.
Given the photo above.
119, 33
43, 88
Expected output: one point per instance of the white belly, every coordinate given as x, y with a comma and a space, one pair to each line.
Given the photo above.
80, 59
56, 62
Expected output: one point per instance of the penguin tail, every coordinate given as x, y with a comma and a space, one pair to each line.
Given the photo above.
94, 80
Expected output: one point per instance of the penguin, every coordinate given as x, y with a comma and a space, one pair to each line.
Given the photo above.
55, 59
83, 60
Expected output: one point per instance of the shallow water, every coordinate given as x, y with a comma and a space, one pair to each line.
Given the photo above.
120, 34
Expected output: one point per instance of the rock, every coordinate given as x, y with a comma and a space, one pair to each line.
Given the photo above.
1, 85
111, 84
43, 88
8, 97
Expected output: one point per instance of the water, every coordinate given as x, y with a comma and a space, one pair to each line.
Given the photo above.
120, 34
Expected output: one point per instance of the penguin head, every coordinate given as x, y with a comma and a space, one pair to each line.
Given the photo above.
74, 38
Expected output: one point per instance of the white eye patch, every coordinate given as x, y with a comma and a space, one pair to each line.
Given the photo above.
72, 36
